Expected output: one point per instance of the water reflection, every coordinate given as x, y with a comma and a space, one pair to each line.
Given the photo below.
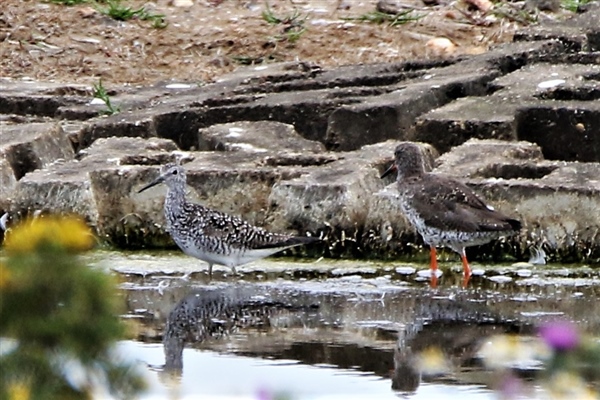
214, 313
444, 348
406, 336
409, 336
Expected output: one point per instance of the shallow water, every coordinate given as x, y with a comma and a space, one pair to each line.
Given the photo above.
327, 329
210, 374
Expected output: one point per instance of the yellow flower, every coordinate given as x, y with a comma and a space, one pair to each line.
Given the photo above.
568, 386
68, 232
18, 391
432, 361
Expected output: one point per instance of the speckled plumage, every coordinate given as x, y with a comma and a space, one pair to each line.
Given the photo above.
214, 313
443, 210
213, 236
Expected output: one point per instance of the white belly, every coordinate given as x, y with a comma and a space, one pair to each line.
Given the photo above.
232, 259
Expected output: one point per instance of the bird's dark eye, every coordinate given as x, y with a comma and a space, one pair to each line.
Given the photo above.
174, 172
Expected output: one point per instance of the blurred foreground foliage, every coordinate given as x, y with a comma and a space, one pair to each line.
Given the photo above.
59, 319
566, 363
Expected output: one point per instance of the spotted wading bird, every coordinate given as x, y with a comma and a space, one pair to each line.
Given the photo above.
443, 210
213, 236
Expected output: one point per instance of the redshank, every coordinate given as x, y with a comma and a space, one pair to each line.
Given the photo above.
443, 210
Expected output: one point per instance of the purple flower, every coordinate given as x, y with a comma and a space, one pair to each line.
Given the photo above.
560, 335
264, 394
511, 387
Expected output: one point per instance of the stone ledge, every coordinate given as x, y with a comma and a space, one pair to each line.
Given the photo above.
26, 150
579, 33
510, 93
338, 202
257, 136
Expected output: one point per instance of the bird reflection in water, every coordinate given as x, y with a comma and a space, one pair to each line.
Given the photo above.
439, 339
439, 346
215, 313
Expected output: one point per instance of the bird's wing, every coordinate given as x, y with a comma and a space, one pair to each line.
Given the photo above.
237, 232
451, 205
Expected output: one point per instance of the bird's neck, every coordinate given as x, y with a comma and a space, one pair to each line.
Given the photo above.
410, 171
175, 199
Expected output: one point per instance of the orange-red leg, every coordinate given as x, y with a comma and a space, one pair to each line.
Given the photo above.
434, 266
466, 269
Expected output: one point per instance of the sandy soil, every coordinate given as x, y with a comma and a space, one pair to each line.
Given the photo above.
47, 41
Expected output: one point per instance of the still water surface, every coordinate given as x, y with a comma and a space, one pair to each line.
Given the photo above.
341, 330
210, 375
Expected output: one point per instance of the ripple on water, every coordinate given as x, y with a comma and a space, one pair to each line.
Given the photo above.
556, 281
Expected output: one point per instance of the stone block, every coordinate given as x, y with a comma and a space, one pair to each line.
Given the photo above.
307, 111
490, 158
125, 124
575, 32
503, 114
31, 146
471, 117
8, 181
255, 136
339, 203
391, 116
39, 98
557, 201
564, 131
66, 187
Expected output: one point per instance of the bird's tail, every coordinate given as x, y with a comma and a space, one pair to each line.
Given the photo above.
291, 241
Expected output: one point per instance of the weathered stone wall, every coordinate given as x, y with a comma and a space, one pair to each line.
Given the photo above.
294, 147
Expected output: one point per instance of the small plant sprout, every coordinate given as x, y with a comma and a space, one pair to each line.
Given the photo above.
116, 10
158, 20
378, 17
290, 19
574, 5
99, 92
293, 24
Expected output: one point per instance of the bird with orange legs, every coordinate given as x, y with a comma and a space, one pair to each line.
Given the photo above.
444, 211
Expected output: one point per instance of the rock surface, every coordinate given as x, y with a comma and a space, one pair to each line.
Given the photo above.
293, 147
559, 201
255, 136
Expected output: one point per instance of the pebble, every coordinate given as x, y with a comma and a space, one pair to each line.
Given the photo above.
426, 273
440, 47
406, 270
524, 273
95, 101
500, 279
178, 86
482, 5
522, 264
183, 3
87, 12
551, 83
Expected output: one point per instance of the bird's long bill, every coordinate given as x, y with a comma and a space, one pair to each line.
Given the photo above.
155, 182
388, 171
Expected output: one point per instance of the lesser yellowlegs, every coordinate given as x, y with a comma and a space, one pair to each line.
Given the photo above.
213, 236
